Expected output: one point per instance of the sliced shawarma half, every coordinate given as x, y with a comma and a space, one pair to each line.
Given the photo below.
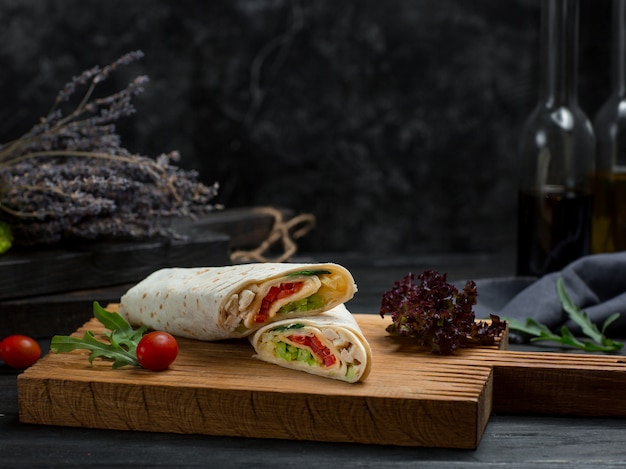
330, 344
213, 303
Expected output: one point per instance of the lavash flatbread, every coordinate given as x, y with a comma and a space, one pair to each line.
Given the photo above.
338, 333
214, 303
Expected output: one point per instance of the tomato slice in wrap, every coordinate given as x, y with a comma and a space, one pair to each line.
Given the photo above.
318, 349
284, 290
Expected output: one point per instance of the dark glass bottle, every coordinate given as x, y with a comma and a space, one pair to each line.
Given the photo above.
557, 153
609, 209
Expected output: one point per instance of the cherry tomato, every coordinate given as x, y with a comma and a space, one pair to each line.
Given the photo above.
157, 350
19, 351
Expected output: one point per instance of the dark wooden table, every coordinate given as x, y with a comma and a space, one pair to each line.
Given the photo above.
509, 440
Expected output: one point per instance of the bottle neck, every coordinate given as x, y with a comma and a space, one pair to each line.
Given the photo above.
559, 52
618, 40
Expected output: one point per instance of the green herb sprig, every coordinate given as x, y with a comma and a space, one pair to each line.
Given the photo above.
288, 327
309, 272
597, 340
122, 340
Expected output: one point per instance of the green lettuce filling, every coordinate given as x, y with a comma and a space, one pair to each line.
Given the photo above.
315, 301
291, 353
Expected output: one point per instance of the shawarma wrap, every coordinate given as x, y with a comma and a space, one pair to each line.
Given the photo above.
214, 303
330, 344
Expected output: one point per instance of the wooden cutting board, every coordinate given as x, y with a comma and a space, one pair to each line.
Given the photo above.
411, 398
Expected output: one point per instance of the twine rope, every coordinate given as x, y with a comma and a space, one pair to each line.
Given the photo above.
283, 231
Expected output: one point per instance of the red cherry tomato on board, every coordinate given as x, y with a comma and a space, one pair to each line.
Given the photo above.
19, 351
157, 350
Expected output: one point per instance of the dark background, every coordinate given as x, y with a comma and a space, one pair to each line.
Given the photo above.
394, 122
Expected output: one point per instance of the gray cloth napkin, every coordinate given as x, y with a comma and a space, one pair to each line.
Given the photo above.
596, 283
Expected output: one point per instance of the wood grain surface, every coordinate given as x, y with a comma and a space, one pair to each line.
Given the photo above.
219, 388
411, 398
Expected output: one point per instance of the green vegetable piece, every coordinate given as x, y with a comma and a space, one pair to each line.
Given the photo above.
280, 349
287, 327
309, 272
315, 301
541, 333
303, 355
98, 349
290, 353
122, 334
122, 340
6, 237
531, 328
121, 331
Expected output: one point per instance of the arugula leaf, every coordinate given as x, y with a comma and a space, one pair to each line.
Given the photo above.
598, 342
111, 321
288, 327
531, 328
122, 340
112, 351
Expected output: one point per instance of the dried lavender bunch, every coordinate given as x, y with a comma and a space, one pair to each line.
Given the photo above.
69, 177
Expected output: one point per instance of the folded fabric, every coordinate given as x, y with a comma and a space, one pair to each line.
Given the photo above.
595, 283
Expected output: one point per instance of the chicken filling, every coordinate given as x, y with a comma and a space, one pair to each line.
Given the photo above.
259, 303
336, 351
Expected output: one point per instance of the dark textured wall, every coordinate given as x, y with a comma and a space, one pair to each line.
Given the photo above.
394, 122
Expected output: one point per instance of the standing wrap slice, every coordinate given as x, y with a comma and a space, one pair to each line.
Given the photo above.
213, 303
330, 344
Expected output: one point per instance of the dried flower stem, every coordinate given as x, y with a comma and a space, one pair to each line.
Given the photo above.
50, 188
